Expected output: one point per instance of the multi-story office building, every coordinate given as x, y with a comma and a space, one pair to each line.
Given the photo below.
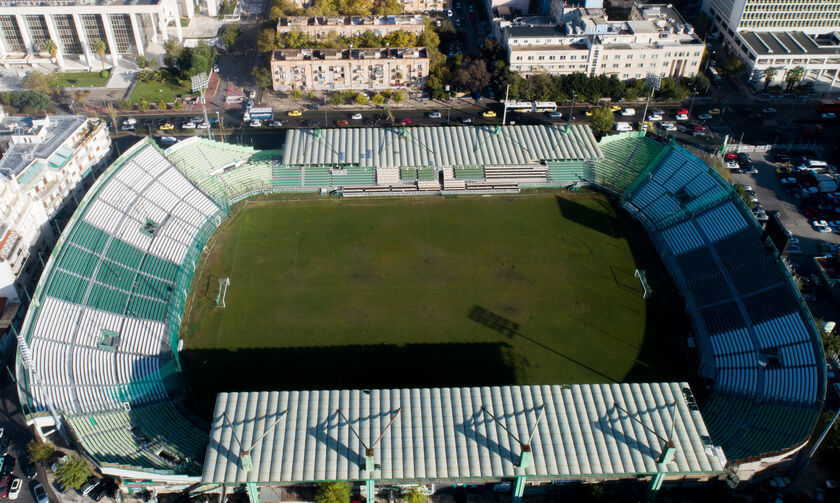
127, 28
782, 35
340, 69
47, 162
346, 26
655, 39
762, 15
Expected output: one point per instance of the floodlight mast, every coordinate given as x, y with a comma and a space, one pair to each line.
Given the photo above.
245, 453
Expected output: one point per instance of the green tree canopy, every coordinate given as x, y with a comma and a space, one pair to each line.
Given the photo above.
230, 35
38, 451
332, 492
40, 82
262, 76
602, 120
73, 473
98, 46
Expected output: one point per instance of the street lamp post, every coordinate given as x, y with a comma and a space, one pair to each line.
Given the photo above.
572, 109
653, 81
691, 107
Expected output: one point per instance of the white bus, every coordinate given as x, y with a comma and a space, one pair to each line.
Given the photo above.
519, 106
545, 106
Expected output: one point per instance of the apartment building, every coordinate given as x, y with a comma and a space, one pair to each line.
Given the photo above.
128, 28
342, 69
47, 162
348, 26
654, 39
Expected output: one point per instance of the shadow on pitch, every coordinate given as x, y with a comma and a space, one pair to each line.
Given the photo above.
510, 329
211, 371
601, 221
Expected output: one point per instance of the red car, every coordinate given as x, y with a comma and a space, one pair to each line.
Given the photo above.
405, 122
341, 122
682, 111
730, 156
5, 484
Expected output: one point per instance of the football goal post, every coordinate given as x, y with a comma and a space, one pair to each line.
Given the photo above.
224, 283
646, 289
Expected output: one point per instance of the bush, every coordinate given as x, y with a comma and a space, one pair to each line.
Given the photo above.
104, 74
144, 62
378, 99
178, 105
296, 93
143, 105
73, 473
361, 99
336, 99
398, 96
161, 105
124, 105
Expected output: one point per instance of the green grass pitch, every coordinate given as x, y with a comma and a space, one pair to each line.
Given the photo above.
350, 293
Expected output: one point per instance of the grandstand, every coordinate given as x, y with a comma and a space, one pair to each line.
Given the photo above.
98, 349
99, 342
760, 350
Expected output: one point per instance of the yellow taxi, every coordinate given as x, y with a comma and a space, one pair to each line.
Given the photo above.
489, 114
168, 126
295, 113
615, 108
588, 113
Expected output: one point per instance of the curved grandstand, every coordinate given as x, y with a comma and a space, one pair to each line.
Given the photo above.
99, 345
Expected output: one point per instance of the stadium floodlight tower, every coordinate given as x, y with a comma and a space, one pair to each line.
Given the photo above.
245, 453
525, 454
653, 81
370, 464
199, 83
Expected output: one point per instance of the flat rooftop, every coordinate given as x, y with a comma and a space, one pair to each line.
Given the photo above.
788, 43
455, 434
19, 156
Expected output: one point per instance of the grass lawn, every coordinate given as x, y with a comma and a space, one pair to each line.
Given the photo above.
427, 292
153, 92
80, 79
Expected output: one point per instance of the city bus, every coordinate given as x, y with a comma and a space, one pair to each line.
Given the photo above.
519, 106
545, 106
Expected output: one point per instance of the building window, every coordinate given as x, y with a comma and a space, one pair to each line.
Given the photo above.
94, 30
68, 37
37, 30
11, 34
123, 36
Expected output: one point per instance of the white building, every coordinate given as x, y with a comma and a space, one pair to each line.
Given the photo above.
48, 161
127, 28
655, 39
782, 35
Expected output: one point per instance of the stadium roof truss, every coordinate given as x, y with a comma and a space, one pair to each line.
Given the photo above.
452, 434
440, 146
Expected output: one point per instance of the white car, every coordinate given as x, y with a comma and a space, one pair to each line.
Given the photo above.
275, 123
130, 120
14, 489
433, 115
682, 117
168, 139
356, 117
668, 126
203, 125
40, 494
188, 125
654, 117
731, 165
256, 123
555, 115
628, 112
127, 127
704, 117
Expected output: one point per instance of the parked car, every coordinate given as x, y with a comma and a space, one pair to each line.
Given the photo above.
275, 123
704, 117
88, 486
130, 120
203, 125
466, 120
654, 117
489, 114
433, 115
6, 485
167, 126
668, 126
256, 123
615, 108
730, 156
40, 494
5, 441
188, 125
294, 113
127, 127
312, 106
681, 117
682, 111
216, 68
555, 115
628, 112
356, 117
14, 489
657, 112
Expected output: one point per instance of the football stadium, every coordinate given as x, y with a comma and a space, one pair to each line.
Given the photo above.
215, 316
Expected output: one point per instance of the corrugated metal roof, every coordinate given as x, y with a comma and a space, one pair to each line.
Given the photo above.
442, 433
440, 146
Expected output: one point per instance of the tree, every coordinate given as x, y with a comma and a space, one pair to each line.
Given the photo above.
602, 120
51, 47
73, 473
332, 492
378, 99
124, 105
745, 196
401, 38
230, 35
389, 8
267, 40
310, 94
172, 50
38, 451
99, 47
830, 448
414, 495
262, 76
472, 75
144, 62
769, 75
336, 99
793, 76
361, 99
733, 66
27, 101
143, 105
178, 105
200, 59
39, 82
296, 94
398, 96
112, 113
161, 105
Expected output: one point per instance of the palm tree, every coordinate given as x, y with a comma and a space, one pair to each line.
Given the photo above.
51, 47
98, 46
794, 76
769, 75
